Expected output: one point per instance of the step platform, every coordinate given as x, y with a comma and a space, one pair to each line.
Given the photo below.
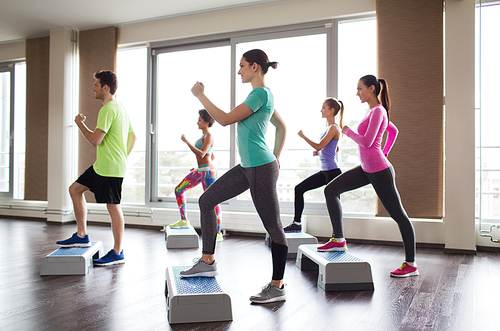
195, 299
338, 271
182, 238
294, 240
71, 260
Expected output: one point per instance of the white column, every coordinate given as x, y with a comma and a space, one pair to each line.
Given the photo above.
59, 205
459, 130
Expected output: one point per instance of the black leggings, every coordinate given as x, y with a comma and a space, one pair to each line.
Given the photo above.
385, 186
310, 183
261, 181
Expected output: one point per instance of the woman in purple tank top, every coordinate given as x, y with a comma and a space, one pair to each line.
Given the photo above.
326, 150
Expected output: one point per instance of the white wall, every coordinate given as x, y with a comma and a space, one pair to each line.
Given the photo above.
242, 18
459, 125
61, 99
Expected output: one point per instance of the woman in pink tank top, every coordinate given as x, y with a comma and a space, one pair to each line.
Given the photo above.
375, 169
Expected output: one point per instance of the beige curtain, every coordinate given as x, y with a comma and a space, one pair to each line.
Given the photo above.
37, 118
410, 58
97, 52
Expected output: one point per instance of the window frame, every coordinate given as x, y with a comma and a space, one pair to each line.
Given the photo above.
153, 116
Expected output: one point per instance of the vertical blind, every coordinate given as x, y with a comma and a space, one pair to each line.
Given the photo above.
97, 52
410, 58
37, 118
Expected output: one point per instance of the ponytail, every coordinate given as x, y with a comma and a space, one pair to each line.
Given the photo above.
384, 97
273, 65
341, 115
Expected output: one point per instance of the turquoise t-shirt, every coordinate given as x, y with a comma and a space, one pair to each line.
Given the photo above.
252, 130
111, 154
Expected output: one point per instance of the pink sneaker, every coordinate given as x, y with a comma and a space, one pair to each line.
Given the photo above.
405, 271
333, 246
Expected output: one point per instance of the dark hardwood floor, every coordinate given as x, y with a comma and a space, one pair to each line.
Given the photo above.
453, 291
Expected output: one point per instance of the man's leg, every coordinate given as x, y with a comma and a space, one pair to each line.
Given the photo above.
76, 191
117, 225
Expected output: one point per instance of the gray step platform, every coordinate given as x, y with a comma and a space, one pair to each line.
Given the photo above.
195, 299
294, 240
338, 271
182, 238
71, 261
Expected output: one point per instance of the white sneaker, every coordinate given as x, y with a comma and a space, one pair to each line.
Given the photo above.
200, 269
269, 293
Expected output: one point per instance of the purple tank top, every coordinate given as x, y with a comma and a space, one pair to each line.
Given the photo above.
327, 154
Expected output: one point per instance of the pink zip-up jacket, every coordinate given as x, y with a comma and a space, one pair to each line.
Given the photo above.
369, 138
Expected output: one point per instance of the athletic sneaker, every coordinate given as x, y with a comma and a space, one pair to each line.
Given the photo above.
180, 224
75, 241
110, 259
333, 245
201, 269
269, 293
293, 227
220, 237
405, 270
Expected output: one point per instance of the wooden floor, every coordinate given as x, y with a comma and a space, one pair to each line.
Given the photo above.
453, 292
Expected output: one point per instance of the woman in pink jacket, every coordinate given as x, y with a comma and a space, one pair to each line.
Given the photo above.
375, 169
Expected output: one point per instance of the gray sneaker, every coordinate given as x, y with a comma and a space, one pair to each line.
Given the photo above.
270, 293
200, 269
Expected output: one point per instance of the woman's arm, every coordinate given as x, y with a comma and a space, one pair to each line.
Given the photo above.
392, 134
375, 120
279, 140
333, 132
204, 149
238, 113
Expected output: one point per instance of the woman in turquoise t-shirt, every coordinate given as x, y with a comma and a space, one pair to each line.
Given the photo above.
258, 171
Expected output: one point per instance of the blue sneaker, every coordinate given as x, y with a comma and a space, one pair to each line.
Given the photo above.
110, 259
75, 241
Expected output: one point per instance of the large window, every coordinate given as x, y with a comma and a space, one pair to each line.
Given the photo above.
316, 61
5, 128
487, 112
299, 89
356, 59
175, 112
19, 129
132, 92
12, 129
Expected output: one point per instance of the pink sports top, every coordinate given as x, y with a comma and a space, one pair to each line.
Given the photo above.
369, 138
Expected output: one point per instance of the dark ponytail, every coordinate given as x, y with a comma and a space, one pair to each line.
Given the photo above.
385, 99
341, 116
258, 56
273, 65
381, 90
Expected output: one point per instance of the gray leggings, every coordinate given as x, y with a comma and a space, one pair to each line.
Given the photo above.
385, 186
261, 181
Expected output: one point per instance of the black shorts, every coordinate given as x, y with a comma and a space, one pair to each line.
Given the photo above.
105, 189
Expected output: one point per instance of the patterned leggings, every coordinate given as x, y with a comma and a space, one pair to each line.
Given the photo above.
206, 174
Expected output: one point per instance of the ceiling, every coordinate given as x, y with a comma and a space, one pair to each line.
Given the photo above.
21, 19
